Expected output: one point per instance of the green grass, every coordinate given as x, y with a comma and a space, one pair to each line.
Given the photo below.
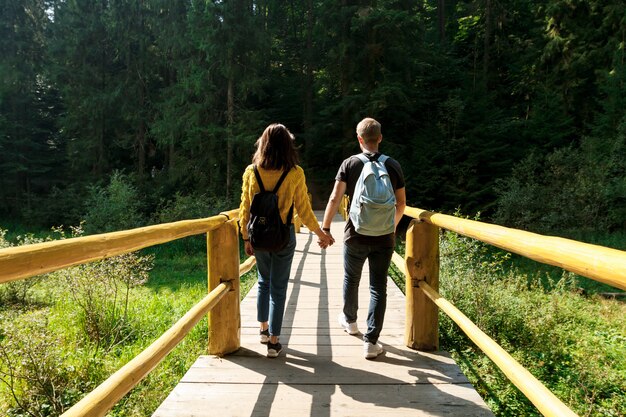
47, 326
575, 344
550, 275
177, 282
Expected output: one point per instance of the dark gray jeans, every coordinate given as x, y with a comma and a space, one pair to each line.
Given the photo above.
379, 258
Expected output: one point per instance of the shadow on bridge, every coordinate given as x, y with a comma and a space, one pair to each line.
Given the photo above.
321, 371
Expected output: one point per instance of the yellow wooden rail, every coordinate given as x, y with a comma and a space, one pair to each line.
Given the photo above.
247, 265
546, 402
29, 260
344, 208
596, 262
223, 258
107, 394
420, 266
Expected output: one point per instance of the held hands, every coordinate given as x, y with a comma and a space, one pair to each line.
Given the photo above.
248, 248
325, 239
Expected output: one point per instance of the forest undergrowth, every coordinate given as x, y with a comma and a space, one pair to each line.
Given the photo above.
62, 334
555, 323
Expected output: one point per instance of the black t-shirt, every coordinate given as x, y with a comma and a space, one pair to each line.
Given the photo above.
349, 172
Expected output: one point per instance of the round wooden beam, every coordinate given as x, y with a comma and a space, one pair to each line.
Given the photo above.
592, 261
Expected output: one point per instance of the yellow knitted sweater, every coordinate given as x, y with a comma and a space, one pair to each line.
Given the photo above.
292, 190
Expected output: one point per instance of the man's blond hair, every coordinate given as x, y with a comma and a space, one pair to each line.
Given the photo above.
368, 129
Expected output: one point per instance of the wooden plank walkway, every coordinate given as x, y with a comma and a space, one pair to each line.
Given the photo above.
321, 371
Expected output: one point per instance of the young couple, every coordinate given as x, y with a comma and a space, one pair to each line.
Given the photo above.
275, 154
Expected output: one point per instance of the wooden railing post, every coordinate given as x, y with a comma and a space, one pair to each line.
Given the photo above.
422, 264
223, 265
344, 208
297, 223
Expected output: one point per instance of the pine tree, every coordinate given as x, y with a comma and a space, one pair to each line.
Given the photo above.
29, 144
82, 69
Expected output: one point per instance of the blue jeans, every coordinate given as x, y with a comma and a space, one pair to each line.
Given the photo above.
379, 258
273, 276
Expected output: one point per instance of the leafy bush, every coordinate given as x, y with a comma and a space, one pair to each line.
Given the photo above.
114, 207
35, 369
572, 188
574, 345
186, 207
193, 206
101, 290
50, 356
58, 206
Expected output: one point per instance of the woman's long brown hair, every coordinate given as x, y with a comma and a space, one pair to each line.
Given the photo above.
275, 149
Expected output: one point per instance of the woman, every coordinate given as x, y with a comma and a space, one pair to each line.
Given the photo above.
276, 153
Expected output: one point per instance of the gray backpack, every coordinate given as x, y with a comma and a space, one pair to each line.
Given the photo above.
373, 206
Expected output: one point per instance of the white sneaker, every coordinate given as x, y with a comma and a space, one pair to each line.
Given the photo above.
350, 328
371, 350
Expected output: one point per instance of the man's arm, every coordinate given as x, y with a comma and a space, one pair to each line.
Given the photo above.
400, 203
333, 203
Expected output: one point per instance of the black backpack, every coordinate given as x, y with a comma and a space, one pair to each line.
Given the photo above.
266, 230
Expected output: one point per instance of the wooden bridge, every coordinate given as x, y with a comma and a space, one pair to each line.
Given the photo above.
322, 371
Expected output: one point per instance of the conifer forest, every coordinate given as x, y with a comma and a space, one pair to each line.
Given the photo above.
117, 114
512, 109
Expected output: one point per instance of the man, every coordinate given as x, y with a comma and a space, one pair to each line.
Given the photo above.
358, 247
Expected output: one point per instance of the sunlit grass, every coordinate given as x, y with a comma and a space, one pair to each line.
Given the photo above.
177, 281
572, 341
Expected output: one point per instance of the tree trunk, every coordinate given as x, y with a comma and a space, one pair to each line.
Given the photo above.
230, 120
308, 82
171, 159
141, 145
344, 81
441, 17
141, 134
100, 161
487, 41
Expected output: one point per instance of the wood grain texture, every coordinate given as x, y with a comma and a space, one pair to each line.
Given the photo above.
322, 371
29, 260
592, 261
223, 266
421, 264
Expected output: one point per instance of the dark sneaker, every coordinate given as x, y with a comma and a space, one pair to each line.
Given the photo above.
273, 349
265, 336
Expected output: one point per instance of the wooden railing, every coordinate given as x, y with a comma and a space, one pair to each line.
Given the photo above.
29, 260
420, 265
222, 302
421, 268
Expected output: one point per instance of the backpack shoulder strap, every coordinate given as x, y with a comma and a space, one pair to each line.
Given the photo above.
280, 181
380, 158
363, 158
258, 179
278, 184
